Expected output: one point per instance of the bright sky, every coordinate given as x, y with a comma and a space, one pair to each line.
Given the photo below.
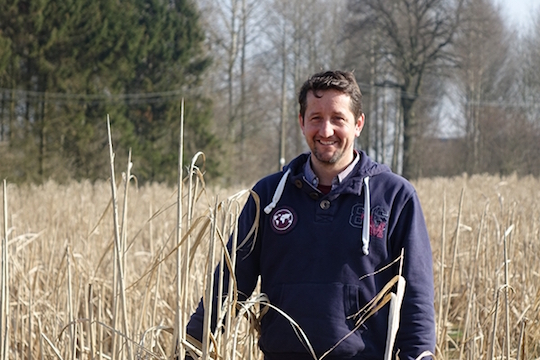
520, 12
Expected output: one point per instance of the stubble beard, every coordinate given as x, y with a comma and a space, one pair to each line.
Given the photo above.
338, 154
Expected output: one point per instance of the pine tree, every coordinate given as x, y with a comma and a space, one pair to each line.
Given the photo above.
74, 59
169, 60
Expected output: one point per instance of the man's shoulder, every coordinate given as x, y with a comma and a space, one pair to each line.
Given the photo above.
268, 183
391, 180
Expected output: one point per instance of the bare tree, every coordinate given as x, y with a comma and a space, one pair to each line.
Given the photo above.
263, 51
416, 38
483, 76
233, 32
304, 37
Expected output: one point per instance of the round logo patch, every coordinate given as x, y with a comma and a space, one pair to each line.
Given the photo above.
283, 220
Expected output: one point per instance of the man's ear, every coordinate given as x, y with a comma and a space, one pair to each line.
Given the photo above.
301, 121
360, 124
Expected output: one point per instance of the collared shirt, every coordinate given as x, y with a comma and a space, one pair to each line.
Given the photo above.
314, 180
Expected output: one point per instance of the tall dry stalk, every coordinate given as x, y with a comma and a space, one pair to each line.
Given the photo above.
493, 340
394, 313
506, 289
453, 264
441, 333
4, 297
521, 347
192, 193
71, 316
231, 298
120, 286
179, 322
91, 322
209, 292
472, 291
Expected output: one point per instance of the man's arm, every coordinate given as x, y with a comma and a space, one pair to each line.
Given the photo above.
417, 327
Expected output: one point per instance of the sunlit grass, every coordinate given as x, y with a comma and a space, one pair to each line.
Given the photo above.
59, 296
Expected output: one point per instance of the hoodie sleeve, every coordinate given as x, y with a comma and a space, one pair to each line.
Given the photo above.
416, 333
247, 270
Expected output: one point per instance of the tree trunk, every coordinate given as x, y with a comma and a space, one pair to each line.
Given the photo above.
397, 135
410, 126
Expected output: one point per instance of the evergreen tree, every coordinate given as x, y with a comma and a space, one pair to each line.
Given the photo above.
169, 61
73, 60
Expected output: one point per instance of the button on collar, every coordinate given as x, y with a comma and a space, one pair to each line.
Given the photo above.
325, 204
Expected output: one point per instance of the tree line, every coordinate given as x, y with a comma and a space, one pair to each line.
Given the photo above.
449, 86
66, 65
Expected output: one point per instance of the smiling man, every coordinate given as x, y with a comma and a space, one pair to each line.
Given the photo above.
333, 225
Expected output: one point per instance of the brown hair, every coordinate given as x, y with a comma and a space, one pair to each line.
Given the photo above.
342, 81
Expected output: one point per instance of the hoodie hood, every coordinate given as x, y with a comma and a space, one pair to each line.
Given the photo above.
356, 182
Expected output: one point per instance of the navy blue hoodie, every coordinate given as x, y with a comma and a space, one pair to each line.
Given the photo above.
319, 265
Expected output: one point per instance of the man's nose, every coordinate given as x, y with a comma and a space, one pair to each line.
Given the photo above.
326, 129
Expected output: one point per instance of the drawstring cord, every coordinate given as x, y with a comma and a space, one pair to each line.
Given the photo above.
278, 192
367, 216
367, 206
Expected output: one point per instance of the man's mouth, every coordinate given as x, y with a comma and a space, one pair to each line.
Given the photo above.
327, 142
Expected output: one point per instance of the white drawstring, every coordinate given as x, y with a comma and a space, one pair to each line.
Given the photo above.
278, 192
367, 215
367, 205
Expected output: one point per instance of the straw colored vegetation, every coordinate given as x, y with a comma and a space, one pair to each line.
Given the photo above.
87, 277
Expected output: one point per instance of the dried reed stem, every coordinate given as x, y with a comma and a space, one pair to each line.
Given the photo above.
454, 257
4, 298
394, 313
442, 325
232, 293
123, 231
474, 271
521, 347
491, 350
29, 341
120, 286
99, 320
71, 317
209, 283
90, 311
185, 290
179, 324
219, 292
506, 288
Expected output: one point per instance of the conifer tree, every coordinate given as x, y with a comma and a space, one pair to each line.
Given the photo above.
68, 65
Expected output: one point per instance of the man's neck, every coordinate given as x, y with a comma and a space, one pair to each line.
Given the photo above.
325, 176
326, 173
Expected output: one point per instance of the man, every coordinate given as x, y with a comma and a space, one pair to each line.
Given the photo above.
333, 225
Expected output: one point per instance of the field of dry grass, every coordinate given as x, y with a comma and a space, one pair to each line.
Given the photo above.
76, 286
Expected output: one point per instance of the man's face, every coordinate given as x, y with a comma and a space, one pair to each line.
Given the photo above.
330, 128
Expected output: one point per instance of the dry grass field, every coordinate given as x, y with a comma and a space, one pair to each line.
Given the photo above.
83, 278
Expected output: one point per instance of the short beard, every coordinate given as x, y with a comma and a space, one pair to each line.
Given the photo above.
334, 159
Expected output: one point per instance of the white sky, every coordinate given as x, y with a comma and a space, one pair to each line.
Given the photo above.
520, 12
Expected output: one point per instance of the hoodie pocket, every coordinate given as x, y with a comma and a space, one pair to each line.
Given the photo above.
323, 313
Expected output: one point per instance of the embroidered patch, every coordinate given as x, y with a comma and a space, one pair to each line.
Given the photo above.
377, 221
283, 220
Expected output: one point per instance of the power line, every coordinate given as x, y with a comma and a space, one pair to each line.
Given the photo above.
153, 97
163, 96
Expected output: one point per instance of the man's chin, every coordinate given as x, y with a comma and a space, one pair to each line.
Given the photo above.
328, 159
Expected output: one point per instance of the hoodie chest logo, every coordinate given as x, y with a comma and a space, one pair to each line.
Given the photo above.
377, 221
283, 220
